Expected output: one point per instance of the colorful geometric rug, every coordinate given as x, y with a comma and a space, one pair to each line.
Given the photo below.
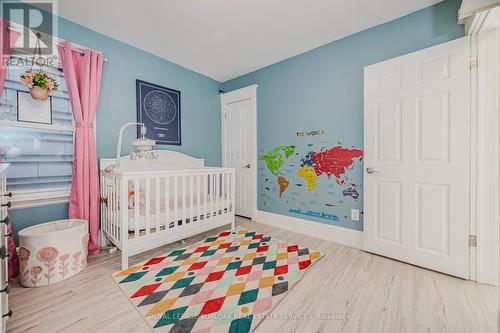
226, 283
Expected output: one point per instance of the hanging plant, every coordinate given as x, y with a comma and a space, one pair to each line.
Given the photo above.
40, 83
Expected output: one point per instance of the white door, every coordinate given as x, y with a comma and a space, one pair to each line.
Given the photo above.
239, 144
417, 141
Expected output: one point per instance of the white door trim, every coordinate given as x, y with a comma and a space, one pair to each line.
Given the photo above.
249, 92
484, 216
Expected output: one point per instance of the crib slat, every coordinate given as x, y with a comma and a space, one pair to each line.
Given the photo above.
233, 192
147, 197
198, 203
111, 195
167, 203
184, 213
101, 204
104, 211
116, 208
191, 208
124, 219
205, 195
222, 191
116, 190
226, 203
217, 193
136, 208
211, 199
108, 193
157, 204
176, 200
110, 211
104, 214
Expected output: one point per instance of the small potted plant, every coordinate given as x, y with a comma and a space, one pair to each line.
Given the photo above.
40, 83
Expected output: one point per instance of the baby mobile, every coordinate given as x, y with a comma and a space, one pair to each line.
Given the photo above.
39, 82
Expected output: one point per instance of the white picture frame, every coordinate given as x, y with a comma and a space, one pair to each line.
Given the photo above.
33, 110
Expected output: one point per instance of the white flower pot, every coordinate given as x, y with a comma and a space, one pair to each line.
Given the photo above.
52, 252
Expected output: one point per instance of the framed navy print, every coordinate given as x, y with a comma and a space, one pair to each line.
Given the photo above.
159, 108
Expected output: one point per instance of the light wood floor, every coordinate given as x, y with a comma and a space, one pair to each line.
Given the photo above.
378, 295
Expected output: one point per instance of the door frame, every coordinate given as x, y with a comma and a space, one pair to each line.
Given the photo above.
241, 94
485, 252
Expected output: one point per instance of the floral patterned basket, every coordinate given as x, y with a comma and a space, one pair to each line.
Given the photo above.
52, 252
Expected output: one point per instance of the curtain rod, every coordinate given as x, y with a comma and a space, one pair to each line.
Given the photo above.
59, 41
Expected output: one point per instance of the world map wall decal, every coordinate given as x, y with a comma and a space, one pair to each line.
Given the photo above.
315, 181
159, 108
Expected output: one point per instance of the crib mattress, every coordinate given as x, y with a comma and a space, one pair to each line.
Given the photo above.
167, 219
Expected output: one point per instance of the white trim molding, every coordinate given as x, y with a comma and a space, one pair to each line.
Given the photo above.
486, 220
39, 197
475, 20
470, 8
50, 127
484, 30
331, 233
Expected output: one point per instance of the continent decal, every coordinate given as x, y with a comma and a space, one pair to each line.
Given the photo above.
335, 161
283, 183
351, 192
309, 176
274, 157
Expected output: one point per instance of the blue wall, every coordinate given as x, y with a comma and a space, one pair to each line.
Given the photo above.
320, 89
117, 105
23, 218
323, 89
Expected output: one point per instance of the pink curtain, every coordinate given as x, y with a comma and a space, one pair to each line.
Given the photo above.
83, 78
8, 40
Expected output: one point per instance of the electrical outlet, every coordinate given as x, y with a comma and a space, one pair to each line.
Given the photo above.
355, 214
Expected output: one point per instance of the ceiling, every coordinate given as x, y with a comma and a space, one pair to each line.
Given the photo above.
224, 39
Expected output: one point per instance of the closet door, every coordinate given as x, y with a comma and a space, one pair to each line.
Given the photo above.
417, 158
239, 145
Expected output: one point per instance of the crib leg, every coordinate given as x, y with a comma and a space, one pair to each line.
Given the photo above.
233, 223
124, 261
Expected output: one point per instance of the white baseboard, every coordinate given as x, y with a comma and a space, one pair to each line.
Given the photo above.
332, 233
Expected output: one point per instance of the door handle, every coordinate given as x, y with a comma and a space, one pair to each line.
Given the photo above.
371, 170
247, 166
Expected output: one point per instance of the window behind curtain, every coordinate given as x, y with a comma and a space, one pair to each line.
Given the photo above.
40, 155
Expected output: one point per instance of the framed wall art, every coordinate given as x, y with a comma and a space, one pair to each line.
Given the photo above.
33, 110
159, 108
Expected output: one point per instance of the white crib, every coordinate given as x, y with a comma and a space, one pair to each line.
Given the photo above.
165, 200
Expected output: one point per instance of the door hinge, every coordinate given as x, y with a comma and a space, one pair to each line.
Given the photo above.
225, 115
473, 62
472, 241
